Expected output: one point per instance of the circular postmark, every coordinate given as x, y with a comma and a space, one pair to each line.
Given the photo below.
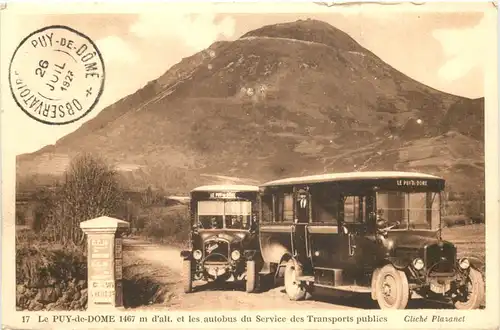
56, 75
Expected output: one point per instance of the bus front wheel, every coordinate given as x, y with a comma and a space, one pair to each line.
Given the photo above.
391, 288
187, 276
251, 283
473, 292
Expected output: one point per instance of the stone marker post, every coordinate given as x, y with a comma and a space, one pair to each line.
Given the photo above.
104, 262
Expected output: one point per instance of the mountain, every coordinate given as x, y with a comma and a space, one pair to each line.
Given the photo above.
287, 99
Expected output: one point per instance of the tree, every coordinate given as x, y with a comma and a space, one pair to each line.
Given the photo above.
90, 190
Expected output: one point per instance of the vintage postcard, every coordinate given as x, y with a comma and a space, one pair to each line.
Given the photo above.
250, 165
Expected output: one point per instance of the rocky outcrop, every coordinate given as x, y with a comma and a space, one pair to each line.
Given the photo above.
67, 295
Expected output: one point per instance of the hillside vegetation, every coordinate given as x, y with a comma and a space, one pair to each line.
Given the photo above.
283, 100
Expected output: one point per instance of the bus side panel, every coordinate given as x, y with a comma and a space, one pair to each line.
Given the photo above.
275, 241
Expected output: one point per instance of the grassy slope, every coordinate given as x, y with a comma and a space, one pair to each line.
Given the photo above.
470, 240
318, 102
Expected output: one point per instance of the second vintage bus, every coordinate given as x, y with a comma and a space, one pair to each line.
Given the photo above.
223, 237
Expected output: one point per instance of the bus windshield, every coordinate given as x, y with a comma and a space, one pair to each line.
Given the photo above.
224, 214
409, 210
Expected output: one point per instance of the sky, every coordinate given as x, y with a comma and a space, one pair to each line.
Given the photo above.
440, 49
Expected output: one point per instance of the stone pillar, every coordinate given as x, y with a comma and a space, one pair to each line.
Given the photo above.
104, 262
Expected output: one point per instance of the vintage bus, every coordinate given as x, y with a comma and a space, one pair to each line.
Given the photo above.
373, 232
223, 238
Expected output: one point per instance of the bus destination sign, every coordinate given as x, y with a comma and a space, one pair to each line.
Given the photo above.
412, 183
223, 195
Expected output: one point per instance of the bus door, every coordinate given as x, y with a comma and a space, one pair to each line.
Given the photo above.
301, 221
355, 227
324, 237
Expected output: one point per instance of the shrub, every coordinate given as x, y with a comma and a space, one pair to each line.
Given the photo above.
173, 226
455, 220
474, 205
40, 264
470, 203
90, 189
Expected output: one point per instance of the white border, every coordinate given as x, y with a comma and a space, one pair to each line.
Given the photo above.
487, 319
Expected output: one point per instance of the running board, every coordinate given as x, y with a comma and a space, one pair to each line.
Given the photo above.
349, 288
267, 269
445, 300
305, 278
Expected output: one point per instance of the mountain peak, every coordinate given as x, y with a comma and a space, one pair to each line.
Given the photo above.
308, 30
287, 99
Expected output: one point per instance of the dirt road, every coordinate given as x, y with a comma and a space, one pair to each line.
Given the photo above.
162, 265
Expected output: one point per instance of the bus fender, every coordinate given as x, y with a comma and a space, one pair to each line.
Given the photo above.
475, 262
186, 255
376, 272
251, 255
280, 270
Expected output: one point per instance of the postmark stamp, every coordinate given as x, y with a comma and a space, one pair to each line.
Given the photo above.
57, 75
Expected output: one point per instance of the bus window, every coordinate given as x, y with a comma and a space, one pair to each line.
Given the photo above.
354, 209
284, 208
211, 214
324, 206
288, 208
267, 208
237, 214
413, 210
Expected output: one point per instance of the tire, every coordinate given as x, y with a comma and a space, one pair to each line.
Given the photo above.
475, 283
375, 274
251, 283
294, 290
391, 288
187, 276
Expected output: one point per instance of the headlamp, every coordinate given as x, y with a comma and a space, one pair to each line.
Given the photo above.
197, 255
235, 255
418, 264
464, 263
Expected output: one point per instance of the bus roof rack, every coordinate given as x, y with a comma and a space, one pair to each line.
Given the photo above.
346, 176
226, 187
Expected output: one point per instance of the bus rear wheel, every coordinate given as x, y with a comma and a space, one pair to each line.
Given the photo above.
294, 288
